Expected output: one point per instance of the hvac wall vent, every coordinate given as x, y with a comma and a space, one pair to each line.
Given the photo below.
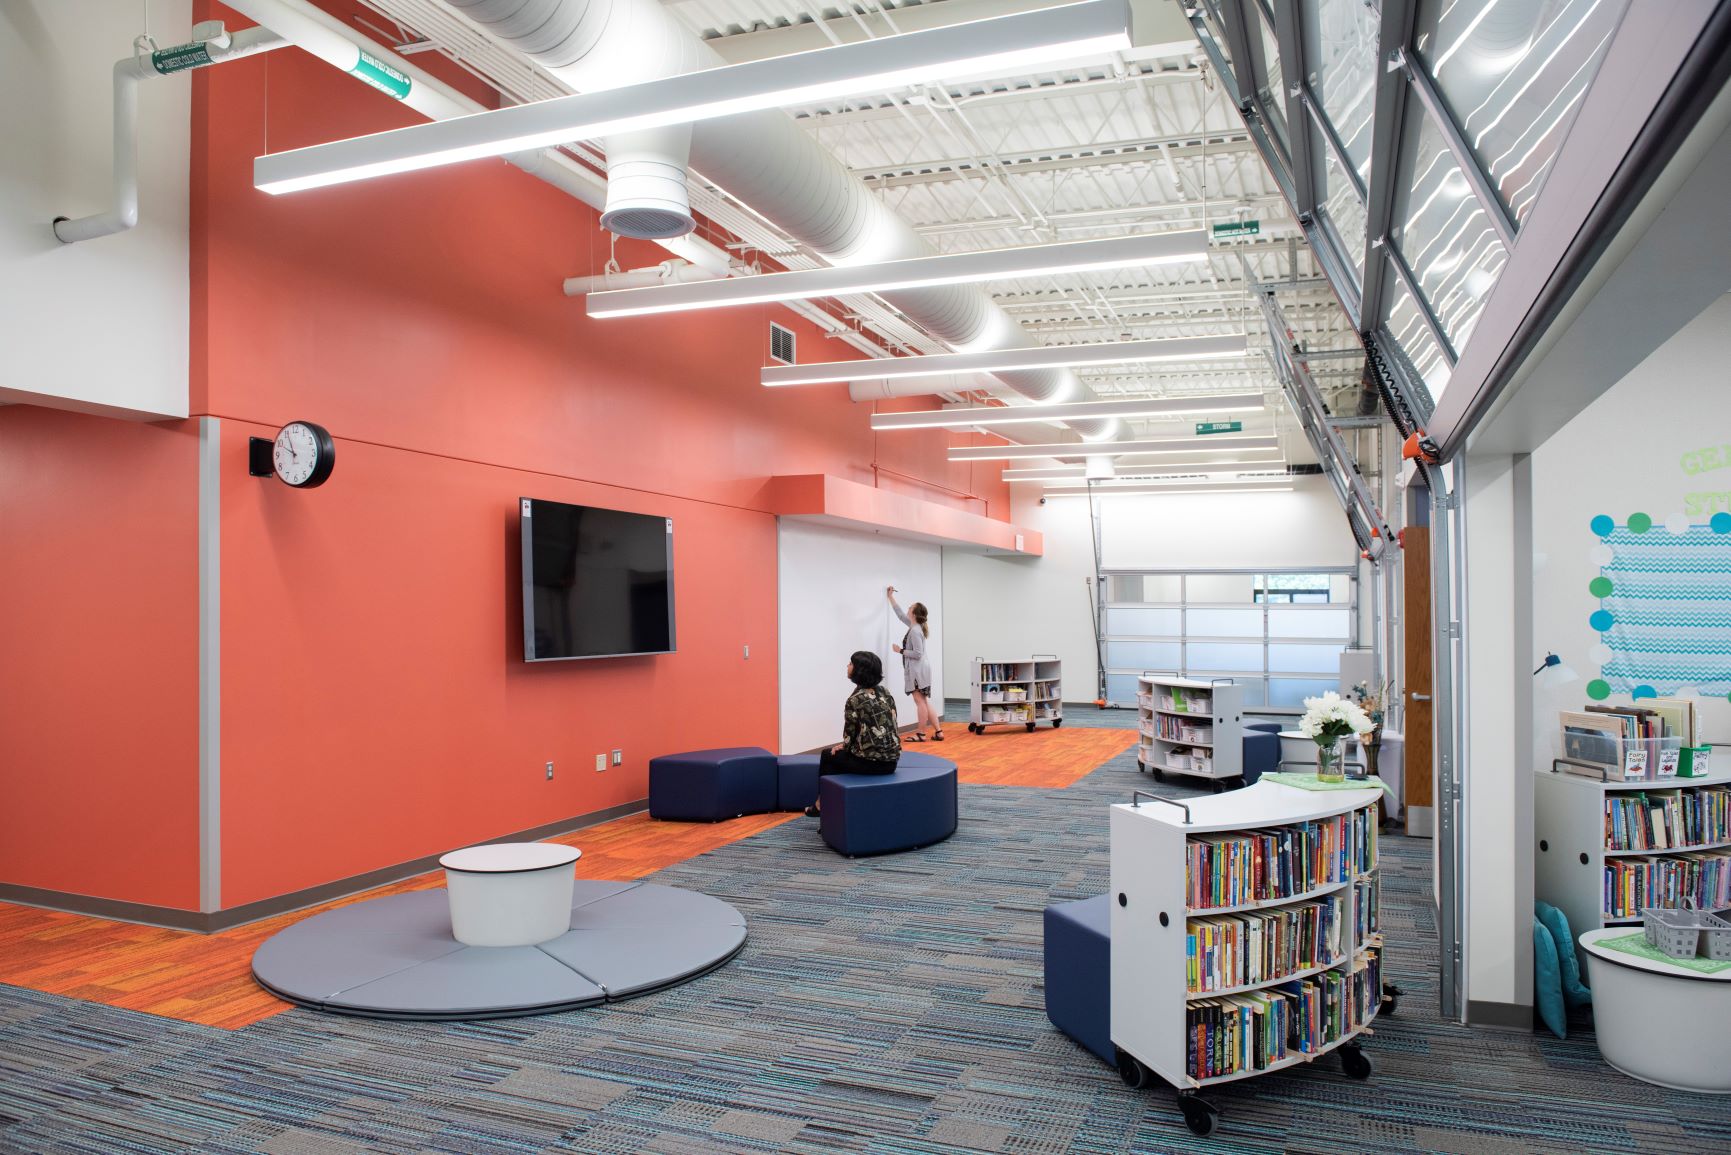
780, 344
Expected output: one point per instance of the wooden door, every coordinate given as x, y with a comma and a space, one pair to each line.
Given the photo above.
1417, 725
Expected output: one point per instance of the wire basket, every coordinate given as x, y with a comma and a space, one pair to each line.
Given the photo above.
1673, 932
1716, 935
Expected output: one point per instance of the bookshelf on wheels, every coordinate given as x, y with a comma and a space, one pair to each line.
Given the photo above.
1018, 692
1245, 936
1190, 726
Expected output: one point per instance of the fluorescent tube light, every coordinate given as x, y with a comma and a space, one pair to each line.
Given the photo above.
1000, 360
1078, 472
915, 272
1145, 490
970, 417
1112, 448
1004, 45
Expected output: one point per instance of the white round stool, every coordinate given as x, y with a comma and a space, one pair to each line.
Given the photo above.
510, 893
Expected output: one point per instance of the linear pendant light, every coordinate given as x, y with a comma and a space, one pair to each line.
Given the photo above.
1248, 459
1112, 448
1000, 360
1066, 411
1003, 44
915, 272
1171, 490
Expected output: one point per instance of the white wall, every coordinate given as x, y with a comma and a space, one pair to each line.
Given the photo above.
1626, 453
1016, 606
831, 584
101, 325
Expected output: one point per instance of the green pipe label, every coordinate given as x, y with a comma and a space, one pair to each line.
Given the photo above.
381, 76
180, 58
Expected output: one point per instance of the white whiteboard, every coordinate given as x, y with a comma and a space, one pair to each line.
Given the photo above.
831, 587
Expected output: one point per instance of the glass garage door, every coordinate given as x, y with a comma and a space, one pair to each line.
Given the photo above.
1278, 634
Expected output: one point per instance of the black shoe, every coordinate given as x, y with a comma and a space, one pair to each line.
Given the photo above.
812, 812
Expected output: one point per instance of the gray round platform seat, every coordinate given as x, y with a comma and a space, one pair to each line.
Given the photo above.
883, 813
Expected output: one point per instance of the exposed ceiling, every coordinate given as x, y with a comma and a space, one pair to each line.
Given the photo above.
1138, 142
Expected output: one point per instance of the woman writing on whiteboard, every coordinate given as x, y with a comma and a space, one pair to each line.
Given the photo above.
915, 668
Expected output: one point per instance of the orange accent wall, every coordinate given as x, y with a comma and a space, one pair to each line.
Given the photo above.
99, 656
374, 704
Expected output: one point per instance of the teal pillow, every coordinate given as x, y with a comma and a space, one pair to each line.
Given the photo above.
1575, 992
1548, 983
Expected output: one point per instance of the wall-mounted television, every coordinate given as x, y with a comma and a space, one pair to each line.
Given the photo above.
597, 583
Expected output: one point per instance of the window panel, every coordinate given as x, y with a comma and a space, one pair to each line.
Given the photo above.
1512, 74
1245, 623
1222, 657
1340, 42
1317, 623
1344, 213
1291, 692
1340, 587
1144, 622
1121, 688
1288, 658
1220, 587
1271, 88
1125, 655
1443, 230
1413, 336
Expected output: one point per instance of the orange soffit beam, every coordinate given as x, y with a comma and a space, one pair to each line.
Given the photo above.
834, 500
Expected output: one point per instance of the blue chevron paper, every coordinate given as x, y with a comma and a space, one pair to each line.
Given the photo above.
1669, 610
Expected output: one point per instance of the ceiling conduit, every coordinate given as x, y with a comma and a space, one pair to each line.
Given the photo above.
764, 159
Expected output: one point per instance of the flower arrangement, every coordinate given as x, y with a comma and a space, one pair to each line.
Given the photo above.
1327, 720
1371, 702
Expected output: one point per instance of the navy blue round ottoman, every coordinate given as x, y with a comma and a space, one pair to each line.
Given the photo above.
882, 813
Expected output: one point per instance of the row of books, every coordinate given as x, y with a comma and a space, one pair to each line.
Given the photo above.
1254, 1031
1268, 865
1002, 671
1366, 896
1235, 950
1171, 729
1632, 743
1045, 689
1666, 821
1701, 880
1187, 701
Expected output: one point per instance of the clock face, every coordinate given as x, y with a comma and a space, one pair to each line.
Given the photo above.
297, 453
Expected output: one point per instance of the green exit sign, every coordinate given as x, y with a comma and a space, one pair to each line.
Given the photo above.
1238, 229
1203, 427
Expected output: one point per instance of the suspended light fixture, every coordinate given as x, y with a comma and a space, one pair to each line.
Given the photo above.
1170, 490
1061, 473
1003, 45
1113, 448
987, 415
1003, 360
913, 273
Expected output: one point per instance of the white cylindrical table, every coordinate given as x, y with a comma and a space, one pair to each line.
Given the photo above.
1659, 1022
510, 893
1296, 748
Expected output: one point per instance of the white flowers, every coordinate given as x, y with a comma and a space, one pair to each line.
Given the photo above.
1332, 717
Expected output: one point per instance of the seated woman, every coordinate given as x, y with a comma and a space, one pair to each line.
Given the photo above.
870, 741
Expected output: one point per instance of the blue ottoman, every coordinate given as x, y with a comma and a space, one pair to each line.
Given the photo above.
1261, 752
796, 781
882, 813
709, 785
1079, 973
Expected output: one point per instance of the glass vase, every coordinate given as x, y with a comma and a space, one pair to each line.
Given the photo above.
1330, 765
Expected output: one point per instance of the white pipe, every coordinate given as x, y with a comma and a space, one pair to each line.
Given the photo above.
932, 384
767, 162
128, 72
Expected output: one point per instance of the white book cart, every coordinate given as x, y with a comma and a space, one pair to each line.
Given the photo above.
1156, 1008
1016, 692
1190, 726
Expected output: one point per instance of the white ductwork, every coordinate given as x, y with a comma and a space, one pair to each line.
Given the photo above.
211, 44
766, 161
930, 385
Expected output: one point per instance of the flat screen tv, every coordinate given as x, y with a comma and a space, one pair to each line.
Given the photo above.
597, 583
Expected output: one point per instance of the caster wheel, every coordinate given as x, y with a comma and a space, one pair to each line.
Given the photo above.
1235, 783
1056, 722
1201, 1116
973, 729
1031, 727
1130, 1069
1218, 786
1159, 776
1355, 1063
1390, 999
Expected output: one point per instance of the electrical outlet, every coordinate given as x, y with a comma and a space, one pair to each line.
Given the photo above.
748, 651
618, 757
549, 771
600, 763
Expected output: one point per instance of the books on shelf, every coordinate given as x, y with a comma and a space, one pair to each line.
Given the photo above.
1184, 700
1269, 865
1170, 729
1630, 744
1667, 820
1260, 946
1256, 1030
1000, 671
1366, 903
1700, 880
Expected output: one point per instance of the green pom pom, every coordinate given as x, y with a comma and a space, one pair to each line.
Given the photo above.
1600, 587
1598, 689
1639, 523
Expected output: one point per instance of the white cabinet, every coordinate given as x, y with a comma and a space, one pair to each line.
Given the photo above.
1016, 692
1190, 726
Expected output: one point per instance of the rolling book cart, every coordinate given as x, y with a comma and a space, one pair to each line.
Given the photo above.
1021, 692
1190, 726
1244, 936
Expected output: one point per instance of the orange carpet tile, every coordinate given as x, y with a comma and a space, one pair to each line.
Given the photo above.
1012, 756
207, 978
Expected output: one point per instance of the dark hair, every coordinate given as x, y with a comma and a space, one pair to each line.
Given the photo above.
918, 610
868, 671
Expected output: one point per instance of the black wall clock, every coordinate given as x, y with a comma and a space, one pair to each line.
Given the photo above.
302, 455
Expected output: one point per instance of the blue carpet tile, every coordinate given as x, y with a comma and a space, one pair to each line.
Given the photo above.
880, 1005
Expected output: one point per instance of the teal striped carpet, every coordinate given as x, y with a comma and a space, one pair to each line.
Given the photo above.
880, 1005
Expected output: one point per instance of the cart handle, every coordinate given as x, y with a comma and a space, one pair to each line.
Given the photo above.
1604, 773
1135, 794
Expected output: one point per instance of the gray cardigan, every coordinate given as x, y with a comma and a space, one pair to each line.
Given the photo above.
916, 671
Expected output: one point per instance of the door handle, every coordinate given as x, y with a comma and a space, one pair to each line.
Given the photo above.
1417, 697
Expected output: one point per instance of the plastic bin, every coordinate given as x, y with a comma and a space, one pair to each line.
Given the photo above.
1673, 932
1716, 935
